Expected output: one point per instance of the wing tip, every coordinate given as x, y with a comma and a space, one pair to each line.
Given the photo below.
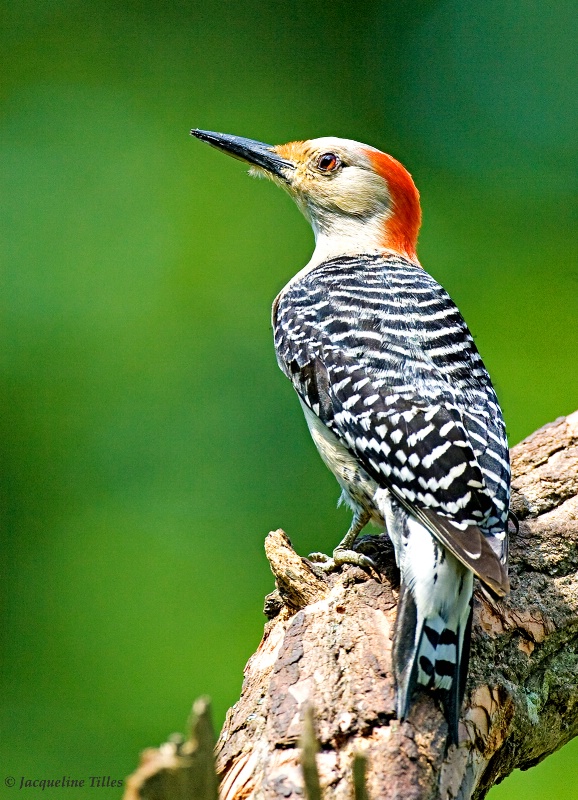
500, 588
486, 565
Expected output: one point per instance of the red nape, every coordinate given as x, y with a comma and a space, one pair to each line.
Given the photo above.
402, 227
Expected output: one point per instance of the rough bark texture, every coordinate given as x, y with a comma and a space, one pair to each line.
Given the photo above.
328, 644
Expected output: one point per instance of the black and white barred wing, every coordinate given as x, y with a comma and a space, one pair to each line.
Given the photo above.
420, 452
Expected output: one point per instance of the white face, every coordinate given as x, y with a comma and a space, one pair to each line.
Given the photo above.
333, 177
357, 199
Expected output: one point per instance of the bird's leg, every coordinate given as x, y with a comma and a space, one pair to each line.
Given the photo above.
343, 553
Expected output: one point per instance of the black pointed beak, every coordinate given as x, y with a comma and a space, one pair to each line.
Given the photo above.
258, 153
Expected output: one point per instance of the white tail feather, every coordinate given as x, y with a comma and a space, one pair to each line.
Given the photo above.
433, 615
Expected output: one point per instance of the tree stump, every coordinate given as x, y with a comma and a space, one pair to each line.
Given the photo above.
327, 647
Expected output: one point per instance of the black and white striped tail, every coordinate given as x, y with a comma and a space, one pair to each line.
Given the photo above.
432, 634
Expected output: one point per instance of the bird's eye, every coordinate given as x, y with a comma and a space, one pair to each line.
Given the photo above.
328, 162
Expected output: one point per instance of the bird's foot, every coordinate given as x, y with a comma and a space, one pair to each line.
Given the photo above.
342, 556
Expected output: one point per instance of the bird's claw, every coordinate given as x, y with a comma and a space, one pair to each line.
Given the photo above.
323, 562
319, 558
340, 557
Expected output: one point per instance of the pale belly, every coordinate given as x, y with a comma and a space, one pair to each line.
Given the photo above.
358, 487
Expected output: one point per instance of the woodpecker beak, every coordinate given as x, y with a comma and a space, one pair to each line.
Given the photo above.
258, 153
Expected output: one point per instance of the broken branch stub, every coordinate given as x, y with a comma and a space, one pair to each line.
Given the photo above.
179, 770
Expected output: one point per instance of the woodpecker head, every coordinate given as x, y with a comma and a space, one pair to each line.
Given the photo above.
358, 199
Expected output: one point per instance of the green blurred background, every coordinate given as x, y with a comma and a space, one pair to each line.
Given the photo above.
148, 440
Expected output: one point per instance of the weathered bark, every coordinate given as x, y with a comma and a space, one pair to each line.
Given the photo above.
328, 646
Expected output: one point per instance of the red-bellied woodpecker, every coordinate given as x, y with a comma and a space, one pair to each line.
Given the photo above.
396, 396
